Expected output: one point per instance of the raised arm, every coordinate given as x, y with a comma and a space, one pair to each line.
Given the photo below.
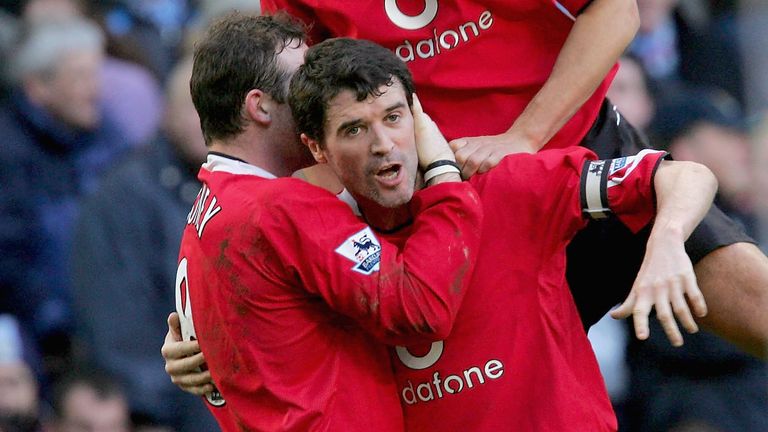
684, 193
599, 35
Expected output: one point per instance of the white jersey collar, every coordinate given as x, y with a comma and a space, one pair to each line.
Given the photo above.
222, 163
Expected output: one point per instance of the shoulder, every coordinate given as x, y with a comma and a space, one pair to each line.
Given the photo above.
293, 193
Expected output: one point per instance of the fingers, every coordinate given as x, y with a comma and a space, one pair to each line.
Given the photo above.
625, 309
668, 298
695, 297
173, 350
640, 312
667, 319
473, 157
457, 144
491, 161
198, 383
174, 325
184, 366
417, 105
682, 311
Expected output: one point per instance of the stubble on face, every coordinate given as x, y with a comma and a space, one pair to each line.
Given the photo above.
371, 147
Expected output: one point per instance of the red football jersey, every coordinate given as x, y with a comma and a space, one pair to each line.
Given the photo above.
476, 63
518, 358
278, 279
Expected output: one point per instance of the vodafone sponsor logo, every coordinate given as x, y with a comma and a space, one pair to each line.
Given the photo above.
444, 385
444, 40
409, 22
441, 386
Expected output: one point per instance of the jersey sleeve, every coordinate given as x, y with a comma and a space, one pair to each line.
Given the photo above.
622, 187
402, 293
561, 189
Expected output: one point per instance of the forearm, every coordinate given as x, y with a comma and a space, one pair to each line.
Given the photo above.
666, 281
684, 194
598, 37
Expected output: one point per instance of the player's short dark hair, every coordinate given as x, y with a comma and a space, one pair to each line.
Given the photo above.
237, 54
342, 64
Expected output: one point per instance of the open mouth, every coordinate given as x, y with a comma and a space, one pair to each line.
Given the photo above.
389, 174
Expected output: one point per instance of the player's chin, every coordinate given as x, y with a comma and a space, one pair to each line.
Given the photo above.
397, 197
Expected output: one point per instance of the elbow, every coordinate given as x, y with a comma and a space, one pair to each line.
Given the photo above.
434, 322
708, 178
704, 176
622, 12
437, 325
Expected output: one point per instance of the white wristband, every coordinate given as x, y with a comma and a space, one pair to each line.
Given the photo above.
442, 169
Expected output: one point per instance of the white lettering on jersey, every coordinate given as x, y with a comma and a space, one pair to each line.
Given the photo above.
440, 387
443, 40
184, 309
418, 363
200, 215
449, 385
411, 22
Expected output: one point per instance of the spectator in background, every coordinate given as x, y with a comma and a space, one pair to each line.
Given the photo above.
706, 383
131, 95
685, 41
55, 146
122, 296
89, 400
630, 92
147, 32
708, 127
19, 395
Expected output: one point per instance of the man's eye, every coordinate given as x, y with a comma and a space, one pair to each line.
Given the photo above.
354, 130
393, 117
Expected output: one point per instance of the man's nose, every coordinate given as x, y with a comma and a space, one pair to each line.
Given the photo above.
382, 141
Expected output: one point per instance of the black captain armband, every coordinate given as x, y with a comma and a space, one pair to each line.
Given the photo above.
594, 189
597, 176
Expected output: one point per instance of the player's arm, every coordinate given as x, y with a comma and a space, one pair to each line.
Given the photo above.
601, 32
666, 281
405, 293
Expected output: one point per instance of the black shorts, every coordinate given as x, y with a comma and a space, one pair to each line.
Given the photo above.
604, 258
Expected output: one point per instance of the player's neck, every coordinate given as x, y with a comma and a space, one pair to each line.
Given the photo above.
254, 151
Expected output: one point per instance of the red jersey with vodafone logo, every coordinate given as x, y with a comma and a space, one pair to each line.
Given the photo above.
518, 358
290, 295
476, 64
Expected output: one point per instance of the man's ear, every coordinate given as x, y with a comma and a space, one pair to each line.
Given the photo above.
258, 106
314, 147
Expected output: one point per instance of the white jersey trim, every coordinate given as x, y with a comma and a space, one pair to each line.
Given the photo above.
565, 11
347, 197
216, 163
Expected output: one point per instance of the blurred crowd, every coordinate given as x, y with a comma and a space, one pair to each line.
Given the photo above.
100, 149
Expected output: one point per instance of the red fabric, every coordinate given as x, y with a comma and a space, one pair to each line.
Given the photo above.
518, 336
474, 85
280, 314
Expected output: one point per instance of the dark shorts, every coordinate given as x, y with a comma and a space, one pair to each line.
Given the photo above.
604, 258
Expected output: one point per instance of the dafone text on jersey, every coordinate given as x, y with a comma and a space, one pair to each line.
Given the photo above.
444, 40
